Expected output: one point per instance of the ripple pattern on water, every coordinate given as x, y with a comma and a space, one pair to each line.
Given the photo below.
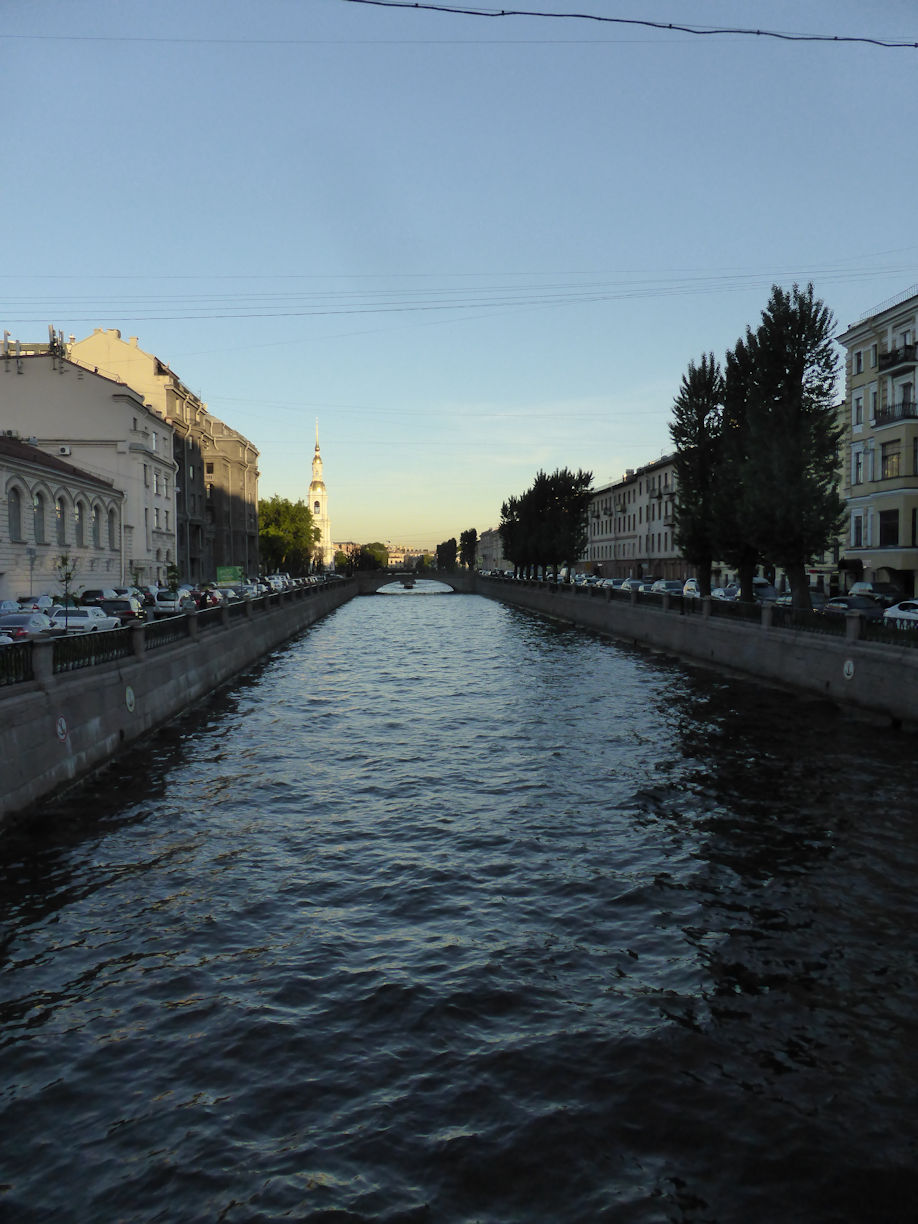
451, 914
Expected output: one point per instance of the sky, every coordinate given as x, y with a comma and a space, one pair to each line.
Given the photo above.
471, 247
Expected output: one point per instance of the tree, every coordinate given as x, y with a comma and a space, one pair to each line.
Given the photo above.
547, 525
379, 552
696, 431
468, 547
287, 535
447, 553
791, 503
66, 567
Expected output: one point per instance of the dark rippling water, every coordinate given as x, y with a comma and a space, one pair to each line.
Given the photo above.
450, 914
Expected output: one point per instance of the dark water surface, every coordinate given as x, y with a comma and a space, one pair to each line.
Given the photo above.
451, 914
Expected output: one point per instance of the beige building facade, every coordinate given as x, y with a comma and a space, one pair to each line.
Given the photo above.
216, 487
881, 470
104, 428
630, 528
54, 516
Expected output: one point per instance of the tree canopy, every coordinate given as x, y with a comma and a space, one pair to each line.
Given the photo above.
468, 547
696, 434
547, 525
287, 535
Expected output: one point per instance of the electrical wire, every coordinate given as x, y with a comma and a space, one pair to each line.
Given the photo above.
634, 21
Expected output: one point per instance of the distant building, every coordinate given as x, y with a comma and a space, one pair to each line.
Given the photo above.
881, 469
318, 504
103, 428
490, 553
630, 528
216, 486
50, 509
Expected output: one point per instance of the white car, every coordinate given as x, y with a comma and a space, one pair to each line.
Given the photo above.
172, 603
89, 619
902, 615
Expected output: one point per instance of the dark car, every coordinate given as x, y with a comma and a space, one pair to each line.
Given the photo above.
868, 608
96, 595
128, 609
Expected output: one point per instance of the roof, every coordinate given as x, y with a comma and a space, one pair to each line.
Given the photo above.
24, 452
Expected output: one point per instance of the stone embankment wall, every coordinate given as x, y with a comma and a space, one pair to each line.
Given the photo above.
57, 727
871, 676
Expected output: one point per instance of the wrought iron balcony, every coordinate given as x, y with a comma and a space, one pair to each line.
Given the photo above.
906, 410
906, 354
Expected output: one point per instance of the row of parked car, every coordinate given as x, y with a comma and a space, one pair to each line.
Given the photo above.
104, 608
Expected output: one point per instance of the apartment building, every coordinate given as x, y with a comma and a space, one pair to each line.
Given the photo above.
216, 487
54, 516
105, 429
881, 470
630, 527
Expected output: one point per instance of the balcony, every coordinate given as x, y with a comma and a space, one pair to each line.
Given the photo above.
907, 410
906, 354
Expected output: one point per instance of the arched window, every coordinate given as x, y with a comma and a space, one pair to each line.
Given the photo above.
14, 501
112, 530
317, 509
61, 510
79, 519
38, 518
96, 527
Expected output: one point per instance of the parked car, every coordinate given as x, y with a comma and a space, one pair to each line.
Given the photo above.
668, 586
95, 595
8, 605
21, 626
171, 603
633, 584
902, 615
5, 639
763, 591
691, 589
34, 603
868, 608
127, 609
817, 600
91, 619
729, 592
884, 593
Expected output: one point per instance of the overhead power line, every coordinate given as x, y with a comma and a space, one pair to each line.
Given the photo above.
784, 36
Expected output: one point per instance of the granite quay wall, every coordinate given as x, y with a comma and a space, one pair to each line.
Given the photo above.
836, 661
68, 705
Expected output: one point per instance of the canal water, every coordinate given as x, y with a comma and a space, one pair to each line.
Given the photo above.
450, 914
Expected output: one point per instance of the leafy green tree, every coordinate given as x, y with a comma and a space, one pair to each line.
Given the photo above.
447, 553
733, 514
791, 507
468, 547
341, 560
287, 535
547, 525
379, 552
696, 434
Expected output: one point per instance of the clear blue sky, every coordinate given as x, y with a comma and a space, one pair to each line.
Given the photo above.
470, 247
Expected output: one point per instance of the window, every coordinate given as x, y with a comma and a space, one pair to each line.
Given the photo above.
38, 518
873, 405
857, 476
859, 362
153, 439
112, 530
156, 482
859, 408
61, 511
14, 501
857, 531
873, 356
146, 476
889, 460
96, 527
889, 528
316, 508
156, 517
79, 519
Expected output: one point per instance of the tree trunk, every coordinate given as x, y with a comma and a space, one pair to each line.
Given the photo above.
799, 585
